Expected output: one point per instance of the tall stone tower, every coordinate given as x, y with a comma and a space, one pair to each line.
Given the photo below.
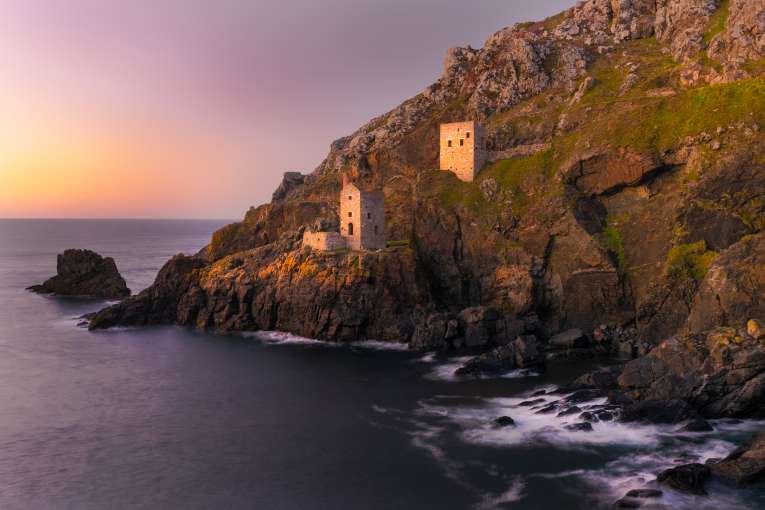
462, 149
362, 217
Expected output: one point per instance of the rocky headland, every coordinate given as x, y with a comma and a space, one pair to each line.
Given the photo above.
623, 214
84, 273
638, 215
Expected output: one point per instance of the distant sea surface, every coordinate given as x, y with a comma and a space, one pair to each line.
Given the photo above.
168, 418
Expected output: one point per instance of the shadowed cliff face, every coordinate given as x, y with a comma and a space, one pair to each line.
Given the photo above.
650, 185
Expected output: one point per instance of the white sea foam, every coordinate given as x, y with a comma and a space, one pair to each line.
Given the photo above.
444, 370
511, 495
377, 345
281, 338
654, 447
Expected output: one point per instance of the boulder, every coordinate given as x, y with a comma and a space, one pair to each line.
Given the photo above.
584, 426
755, 328
698, 425
644, 493
85, 273
689, 478
569, 339
504, 421
746, 464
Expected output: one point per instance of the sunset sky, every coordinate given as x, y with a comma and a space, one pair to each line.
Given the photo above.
190, 108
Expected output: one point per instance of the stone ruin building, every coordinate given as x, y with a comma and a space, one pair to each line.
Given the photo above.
362, 222
462, 149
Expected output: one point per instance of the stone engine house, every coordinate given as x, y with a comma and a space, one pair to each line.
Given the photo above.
462, 149
362, 217
362, 222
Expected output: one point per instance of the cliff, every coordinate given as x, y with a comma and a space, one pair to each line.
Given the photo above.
633, 197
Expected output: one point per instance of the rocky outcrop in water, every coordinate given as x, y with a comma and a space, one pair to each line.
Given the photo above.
744, 465
85, 273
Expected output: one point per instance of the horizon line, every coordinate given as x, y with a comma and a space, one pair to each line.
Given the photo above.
115, 219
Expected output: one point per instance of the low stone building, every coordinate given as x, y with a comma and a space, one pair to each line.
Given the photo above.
462, 149
324, 241
362, 222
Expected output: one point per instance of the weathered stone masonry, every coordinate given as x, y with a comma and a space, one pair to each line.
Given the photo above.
323, 241
462, 149
362, 217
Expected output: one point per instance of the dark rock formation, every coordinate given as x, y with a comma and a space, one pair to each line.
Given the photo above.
85, 273
504, 421
159, 304
745, 465
523, 352
721, 373
688, 478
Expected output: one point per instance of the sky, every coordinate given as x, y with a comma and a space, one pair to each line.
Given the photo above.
195, 109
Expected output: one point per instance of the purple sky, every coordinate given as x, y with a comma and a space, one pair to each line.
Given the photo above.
235, 92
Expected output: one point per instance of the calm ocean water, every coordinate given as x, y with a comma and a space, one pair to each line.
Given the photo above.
169, 418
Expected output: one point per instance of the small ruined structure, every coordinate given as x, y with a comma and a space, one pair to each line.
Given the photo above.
362, 222
462, 149
323, 241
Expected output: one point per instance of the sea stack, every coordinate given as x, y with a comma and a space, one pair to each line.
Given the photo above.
85, 273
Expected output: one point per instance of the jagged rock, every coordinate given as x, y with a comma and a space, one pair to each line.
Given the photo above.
746, 464
85, 273
521, 353
587, 84
689, 478
721, 373
290, 181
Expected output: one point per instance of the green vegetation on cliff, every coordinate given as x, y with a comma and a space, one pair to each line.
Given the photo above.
690, 261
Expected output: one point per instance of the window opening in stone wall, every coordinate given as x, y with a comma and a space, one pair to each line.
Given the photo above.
449, 143
375, 229
462, 142
350, 214
467, 135
350, 229
350, 197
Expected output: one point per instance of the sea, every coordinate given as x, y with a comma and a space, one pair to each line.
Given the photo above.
170, 418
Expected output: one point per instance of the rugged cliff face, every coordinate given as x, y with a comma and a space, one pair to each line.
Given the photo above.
638, 193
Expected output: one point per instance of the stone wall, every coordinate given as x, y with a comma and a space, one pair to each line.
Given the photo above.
323, 241
461, 149
520, 151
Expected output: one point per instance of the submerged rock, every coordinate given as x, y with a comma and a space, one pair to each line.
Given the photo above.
85, 273
504, 421
580, 427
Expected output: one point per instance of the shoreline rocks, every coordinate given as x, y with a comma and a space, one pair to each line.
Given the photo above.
84, 273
